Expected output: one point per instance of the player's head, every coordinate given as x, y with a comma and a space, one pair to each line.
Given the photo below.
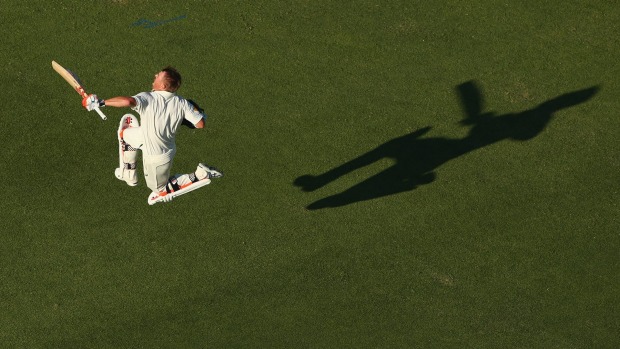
168, 79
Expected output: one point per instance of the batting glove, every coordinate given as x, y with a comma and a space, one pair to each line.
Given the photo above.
92, 102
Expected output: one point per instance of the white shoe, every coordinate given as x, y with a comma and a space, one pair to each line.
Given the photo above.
129, 176
204, 171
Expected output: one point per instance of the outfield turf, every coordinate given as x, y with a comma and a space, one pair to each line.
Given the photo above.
398, 174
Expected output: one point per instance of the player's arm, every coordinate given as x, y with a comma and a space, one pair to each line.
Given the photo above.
121, 102
92, 101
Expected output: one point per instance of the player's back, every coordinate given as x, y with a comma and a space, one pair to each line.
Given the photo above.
161, 114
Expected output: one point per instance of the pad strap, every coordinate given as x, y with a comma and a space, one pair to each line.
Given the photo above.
172, 185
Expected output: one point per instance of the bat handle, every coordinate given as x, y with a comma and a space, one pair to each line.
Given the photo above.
101, 113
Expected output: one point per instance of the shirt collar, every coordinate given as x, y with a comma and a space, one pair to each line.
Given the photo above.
165, 94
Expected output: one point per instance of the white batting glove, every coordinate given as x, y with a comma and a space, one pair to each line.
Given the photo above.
92, 102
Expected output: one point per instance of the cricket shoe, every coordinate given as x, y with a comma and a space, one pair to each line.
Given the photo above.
205, 171
156, 197
129, 176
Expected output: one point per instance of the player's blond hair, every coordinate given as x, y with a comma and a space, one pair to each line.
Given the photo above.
172, 79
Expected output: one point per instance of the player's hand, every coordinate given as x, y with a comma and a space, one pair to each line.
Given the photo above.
92, 102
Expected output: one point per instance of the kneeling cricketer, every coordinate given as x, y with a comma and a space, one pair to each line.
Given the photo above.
161, 112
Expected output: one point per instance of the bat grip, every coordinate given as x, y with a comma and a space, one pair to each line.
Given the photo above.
101, 113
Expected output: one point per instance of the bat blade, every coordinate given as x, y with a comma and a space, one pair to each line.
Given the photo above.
74, 82
69, 78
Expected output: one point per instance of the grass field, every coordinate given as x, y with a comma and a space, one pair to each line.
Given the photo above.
398, 174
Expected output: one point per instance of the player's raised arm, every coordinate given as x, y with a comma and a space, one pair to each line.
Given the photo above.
92, 102
121, 101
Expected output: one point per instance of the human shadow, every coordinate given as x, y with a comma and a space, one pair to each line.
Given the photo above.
417, 158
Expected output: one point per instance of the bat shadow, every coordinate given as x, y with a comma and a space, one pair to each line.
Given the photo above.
417, 158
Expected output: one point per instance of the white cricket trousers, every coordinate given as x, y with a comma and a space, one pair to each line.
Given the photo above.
156, 168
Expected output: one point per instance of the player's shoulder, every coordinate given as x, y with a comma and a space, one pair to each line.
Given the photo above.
184, 101
142, 99
144, 95
176, 98
180, 98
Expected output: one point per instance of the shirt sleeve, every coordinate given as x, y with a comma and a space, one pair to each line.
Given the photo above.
142, 100
193, 114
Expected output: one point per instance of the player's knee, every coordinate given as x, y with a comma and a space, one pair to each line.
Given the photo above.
127, 121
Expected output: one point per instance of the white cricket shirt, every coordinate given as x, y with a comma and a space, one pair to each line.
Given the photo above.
161, 114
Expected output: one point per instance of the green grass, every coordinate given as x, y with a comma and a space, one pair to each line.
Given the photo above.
513, 245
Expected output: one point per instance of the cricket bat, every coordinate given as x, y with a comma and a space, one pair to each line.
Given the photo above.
74, 82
